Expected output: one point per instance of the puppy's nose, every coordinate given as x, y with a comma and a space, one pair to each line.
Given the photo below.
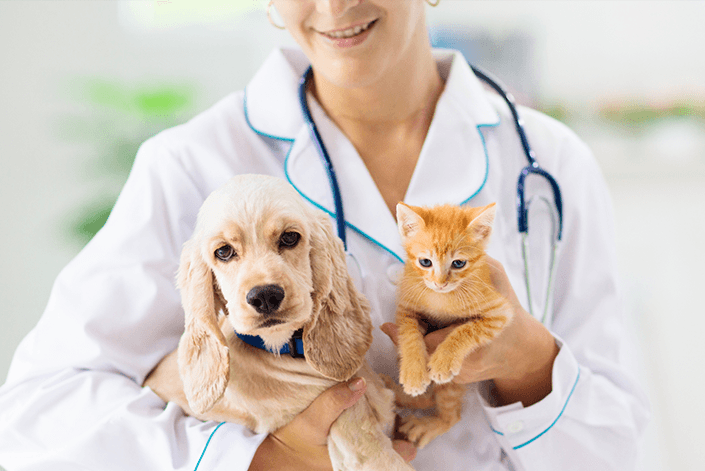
265, 299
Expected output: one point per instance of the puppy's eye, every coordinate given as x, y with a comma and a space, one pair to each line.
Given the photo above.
458, 263
289, 239
424, 262
225, 253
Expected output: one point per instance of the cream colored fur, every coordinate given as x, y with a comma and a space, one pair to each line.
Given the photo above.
213, 375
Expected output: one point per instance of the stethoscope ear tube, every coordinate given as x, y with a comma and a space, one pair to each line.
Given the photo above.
511, 103
323, 152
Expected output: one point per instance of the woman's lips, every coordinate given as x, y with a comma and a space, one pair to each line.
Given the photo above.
349, 37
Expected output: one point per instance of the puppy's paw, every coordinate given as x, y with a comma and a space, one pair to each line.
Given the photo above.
443, 367
421, 430
414, 379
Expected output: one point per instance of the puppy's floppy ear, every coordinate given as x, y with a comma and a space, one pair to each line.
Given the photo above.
340, 332
204, 361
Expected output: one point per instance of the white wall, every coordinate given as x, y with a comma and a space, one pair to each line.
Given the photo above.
587, 53
44, 47
593, 50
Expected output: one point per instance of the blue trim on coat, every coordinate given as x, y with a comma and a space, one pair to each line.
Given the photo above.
559, 415
257, 131
552, 423
487, 157
206, 447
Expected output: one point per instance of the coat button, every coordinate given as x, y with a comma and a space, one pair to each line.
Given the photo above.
394, 272
516, 427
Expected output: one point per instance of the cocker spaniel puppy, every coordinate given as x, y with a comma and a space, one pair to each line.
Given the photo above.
265, 265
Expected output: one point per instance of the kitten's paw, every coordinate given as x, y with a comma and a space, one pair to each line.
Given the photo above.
421, 430
414, 379
443, 367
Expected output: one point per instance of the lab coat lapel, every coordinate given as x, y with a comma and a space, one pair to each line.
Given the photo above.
452, 167
272, 109
271, 98
454, 164
365, 210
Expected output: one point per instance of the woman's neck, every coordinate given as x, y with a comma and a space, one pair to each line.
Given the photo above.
387, 121
405, 96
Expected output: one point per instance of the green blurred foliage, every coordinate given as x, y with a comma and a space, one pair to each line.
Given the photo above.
112, 119
558, 112
638, 117
634, 118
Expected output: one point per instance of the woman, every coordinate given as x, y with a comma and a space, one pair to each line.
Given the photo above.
401, 122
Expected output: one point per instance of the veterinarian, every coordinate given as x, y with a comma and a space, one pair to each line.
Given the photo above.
400, 121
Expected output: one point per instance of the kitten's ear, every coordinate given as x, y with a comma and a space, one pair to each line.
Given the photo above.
408, 221
481, 225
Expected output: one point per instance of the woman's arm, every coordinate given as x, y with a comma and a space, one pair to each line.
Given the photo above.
570, 403
73, 398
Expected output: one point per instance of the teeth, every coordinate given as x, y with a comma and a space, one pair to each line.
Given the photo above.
349, 33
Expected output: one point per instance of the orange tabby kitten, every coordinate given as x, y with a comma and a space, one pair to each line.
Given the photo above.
446, 281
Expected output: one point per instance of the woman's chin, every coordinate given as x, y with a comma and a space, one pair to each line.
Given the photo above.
349, 72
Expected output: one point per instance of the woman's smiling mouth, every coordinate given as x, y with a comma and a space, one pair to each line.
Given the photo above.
349, 32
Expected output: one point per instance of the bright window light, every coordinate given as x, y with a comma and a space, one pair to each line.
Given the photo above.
170, 14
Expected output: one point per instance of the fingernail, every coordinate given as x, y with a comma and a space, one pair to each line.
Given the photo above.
357, 384
405, 449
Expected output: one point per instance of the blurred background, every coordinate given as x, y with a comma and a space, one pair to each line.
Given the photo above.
82, 83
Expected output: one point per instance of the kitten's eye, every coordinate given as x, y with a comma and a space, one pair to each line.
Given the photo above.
289, 239
424, 262
224, 253
458, 263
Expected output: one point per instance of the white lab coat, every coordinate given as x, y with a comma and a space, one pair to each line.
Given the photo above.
73, 398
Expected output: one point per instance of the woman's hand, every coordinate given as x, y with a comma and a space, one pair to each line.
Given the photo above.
301, 445
519, 360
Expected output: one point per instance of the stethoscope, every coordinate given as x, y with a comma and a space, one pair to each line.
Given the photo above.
533, 168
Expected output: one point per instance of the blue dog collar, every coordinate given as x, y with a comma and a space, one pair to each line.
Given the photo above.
295, 347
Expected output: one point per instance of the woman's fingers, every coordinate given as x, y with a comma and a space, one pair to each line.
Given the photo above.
406, 450
499, 279
391, 330
313, 424
302, 443
432, 340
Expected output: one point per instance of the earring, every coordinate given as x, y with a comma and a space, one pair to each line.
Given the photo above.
434, 4
269, 16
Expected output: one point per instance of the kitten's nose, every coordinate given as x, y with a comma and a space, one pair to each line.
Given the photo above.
441, 286
266, 299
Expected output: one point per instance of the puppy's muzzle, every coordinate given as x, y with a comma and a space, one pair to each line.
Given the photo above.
265, 299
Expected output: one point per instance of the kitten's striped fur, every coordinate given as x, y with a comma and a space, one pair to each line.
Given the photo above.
446, 281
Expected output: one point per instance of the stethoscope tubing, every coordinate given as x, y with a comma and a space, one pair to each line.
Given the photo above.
522, 206
511, 103
533, 168
323, 152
